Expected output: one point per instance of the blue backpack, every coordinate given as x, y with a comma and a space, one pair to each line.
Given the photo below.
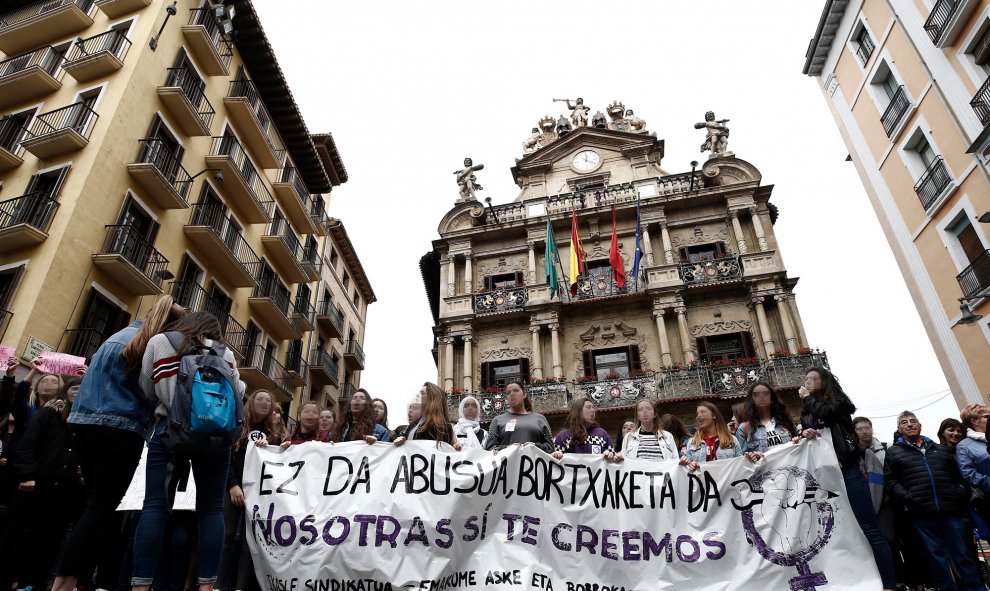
207, 411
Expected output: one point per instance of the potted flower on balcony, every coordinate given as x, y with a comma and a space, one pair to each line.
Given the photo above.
492, 390
455, 391
612, 376
805, 351
748, 361
640, 373
783, 353
582, 379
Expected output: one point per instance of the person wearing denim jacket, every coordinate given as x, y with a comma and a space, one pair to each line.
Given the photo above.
112, 418
713, 440
766, 422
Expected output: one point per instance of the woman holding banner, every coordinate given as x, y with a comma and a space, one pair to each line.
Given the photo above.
766, 422
827, 405
433, 425
519, 424
358, 422
307, 425
582, 435
468, 428
648, 440
712, 441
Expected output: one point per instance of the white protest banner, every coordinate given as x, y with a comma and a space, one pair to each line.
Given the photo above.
61, 364
354, 517
133, 499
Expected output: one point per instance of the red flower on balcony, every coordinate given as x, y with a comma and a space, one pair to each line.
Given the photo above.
586, 379
782, 353
805, 351
492, 390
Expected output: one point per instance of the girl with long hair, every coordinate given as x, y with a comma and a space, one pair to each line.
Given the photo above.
519, 424
765, 421
827, 405
649, 440
198, 330
307, 425
111, 417
236, 571
468, 428
381, 416
433, 424
676, 427
327, 419
582, 434
357, 423
713, 440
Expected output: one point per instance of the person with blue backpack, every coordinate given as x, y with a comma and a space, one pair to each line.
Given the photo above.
199, 415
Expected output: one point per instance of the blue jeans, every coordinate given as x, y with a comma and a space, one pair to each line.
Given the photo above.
209, 468
858, 494
944, 537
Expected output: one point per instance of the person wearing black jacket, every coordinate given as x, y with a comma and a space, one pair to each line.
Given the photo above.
924, 476
826, 405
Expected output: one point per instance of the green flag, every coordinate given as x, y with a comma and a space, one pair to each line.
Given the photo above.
550, 260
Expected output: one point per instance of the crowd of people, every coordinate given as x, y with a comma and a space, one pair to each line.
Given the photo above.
69, 448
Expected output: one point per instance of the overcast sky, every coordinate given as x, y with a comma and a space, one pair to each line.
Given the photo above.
409, 89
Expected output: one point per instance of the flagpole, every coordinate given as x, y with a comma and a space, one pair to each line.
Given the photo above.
560, 266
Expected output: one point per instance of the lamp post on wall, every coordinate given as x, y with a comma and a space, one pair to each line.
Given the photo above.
170, 10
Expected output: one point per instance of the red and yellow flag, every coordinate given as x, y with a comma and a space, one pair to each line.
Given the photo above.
577, 255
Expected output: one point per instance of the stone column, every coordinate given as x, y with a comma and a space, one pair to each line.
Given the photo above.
761, 236
647, 246
536, 367
798, 323
665, 359
785, 319
761, 317
468, 363
448, 363
668, 250
737, 230
755, 324
532, 262
451, 274
682, 328
558, 366
468, 273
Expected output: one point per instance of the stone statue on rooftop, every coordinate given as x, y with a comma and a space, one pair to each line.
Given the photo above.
636, 125
467, 183
579, 112
533, 142
599, 121
717, 140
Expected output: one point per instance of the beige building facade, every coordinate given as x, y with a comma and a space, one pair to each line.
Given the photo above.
151, 147
907, 83
712, 311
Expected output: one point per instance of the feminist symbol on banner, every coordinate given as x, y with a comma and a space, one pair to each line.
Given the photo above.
796, 519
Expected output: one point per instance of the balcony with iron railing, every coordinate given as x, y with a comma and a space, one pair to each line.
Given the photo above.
895, 113
939, 18
312, 262
323, 368
61, 131
242, 183
296, 369
933, 183
84, 341
131, 260
981, 103
11, 150
222, 245
318, 216
711, 272
974, 281
330, 319
354, 355
184, 95
295, 200
261, 371
285, 251
271, 305
601, 283
347, 391
160, 173
304, 314
193, 297
98, 56
246, 109
41, 23
24, 220
207, 42
501, 301
864, 49
30, 76
118, 8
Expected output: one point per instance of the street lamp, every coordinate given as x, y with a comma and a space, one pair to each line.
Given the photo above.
488, 200
171, 11
967, 318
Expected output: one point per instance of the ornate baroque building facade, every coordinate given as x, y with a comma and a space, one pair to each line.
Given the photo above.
151, 147
712, 311
908, 84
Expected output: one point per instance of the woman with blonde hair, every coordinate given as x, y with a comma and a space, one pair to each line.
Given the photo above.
112, 417
713, 440
434, 423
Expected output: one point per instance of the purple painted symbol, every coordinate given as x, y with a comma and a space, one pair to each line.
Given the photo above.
795, 515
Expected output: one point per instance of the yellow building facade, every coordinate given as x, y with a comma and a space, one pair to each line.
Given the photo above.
907, 83
151, 147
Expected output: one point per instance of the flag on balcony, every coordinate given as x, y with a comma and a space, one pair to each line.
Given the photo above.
550, 259
615, 258
577, 255
639, 247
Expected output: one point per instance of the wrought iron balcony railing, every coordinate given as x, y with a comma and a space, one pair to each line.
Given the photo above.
717, 270
864, 49
79, 117
939, 19
113, 41
281, 228
45, 58
257, 357
194, 90
191, 295
11, 133
157, 152
348, 390
302, 307
206, 18
975, 279
33, 209
227, 145
246, 89
981, 103
38, 8
895, 111
83, 342
933, 183
290, 175
323, 359
214, 215
127, 241
336, 316
497, 301
354, 348
270, 288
